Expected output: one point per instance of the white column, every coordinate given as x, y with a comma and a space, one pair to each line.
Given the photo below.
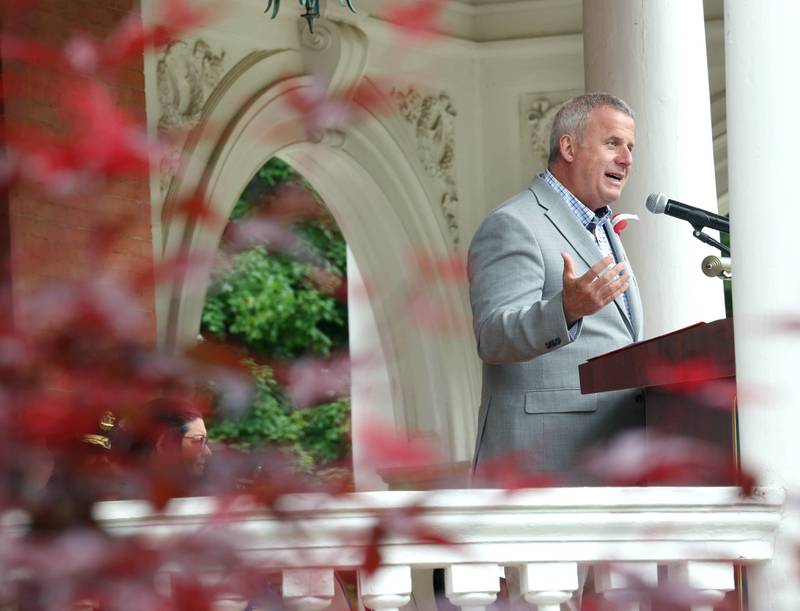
762, 47
370, 388
653, 55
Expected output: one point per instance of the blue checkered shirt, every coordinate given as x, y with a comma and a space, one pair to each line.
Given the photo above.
591, 220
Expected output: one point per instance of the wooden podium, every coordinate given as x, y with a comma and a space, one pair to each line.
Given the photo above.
688, 377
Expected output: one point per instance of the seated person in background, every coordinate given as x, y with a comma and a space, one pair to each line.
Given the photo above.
177, 434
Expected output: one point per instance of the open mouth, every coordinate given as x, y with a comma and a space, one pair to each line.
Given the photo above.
615, 176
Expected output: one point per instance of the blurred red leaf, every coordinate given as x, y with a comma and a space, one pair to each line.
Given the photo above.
274, 235
181, 266
292, 203
514, 471
416, 19
323, 110
311, 380
450, 268
87, 55
29, 51
196, 208
382, 447
372, 554
637, 458
103, 142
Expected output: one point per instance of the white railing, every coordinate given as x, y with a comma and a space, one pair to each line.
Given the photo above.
625, 534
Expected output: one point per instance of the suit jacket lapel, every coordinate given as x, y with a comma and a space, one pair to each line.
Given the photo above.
580, 239
566, 222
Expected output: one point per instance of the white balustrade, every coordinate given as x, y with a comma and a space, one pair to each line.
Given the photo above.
472, 586
548, 584
552, 536
709, 579
307, 589
387, 589
626, 584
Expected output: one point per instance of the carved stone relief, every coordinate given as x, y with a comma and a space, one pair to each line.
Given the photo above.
537, 111
186, 75
433, 118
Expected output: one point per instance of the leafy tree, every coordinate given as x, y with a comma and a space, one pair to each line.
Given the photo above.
316, 436
270, 303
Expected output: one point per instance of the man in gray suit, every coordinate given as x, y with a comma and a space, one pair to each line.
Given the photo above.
550, 287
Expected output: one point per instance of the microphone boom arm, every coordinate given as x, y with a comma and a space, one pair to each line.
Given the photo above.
707, 239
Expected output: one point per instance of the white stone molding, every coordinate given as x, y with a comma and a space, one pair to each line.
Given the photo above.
433, 119
537, 111
597, 525
472, 586
336, 53
548, 584
187, 73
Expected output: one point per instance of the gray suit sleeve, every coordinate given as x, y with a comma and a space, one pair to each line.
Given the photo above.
513, 319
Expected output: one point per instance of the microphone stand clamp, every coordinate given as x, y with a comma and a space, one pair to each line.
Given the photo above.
707, 239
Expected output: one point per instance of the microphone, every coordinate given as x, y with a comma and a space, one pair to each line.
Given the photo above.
658, 203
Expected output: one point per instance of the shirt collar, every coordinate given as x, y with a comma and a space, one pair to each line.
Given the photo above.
589, 219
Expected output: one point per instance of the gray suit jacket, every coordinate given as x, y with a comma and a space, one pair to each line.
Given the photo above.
531, 403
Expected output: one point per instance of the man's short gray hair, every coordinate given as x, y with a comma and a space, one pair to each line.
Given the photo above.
571, 118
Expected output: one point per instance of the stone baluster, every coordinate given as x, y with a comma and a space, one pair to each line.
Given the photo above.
229, 602
624, 584
710, 579
307, 589
472, 586
387, 589
548, 584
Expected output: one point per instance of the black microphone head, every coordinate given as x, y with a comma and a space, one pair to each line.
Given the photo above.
656, 203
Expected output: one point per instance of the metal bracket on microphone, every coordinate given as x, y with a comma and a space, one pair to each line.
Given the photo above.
716, 267
707, 239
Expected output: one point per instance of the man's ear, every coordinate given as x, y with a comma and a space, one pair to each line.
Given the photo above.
567, 145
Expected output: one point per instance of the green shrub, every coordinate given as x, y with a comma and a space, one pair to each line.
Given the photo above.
317, 436
269, 303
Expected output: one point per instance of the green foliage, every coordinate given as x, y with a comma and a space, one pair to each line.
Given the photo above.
327, 241
272, 175
316, 436
269, 303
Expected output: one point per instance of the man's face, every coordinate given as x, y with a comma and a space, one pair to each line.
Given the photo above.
601, 162
194, 446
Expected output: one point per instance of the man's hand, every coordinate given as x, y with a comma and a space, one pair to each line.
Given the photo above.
594, 290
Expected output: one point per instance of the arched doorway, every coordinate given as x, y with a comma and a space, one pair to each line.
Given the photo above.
379, 197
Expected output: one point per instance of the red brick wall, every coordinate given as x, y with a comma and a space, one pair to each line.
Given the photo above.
49, 237
5, 230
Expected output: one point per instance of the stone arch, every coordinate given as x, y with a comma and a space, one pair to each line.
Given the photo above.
379, 195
